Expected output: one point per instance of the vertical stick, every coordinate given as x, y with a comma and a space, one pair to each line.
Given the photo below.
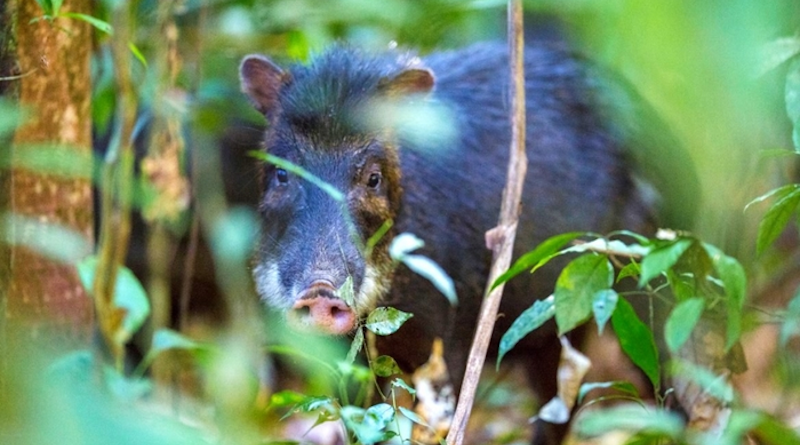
501, 238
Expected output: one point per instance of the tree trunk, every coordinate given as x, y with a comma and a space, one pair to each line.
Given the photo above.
49, 208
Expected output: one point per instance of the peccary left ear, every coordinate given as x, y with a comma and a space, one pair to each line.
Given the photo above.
262, 81
409, 81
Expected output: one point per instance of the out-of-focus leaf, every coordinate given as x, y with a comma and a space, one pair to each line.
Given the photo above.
10, 117
576, 287
777, 193
603, 305
632, 418
129, 295
538, 256
403, 244
778, 51
369, 425
791, 323
661, 259
528, 320
386, 320
636, 340
776, 218
554, 411
715, 385
792, 97
771, 431
681, 322
233, 234
94, 21
734, 281
355, 346
572, 368
137, 53
55, 241
124, 388
400, 383
412, 416
285, 398
428, 269
385, 366
621, 386
295, 169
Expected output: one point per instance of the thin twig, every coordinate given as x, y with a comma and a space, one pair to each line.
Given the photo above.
501, 238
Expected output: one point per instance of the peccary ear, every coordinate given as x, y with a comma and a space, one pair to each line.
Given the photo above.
262, 81
409, 81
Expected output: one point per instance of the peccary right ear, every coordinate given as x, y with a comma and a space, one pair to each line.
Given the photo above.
262, 81
409, 81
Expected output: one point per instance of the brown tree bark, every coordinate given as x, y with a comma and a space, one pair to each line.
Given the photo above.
39, 293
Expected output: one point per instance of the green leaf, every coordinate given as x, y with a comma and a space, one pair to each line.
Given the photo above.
386, 320
631, 269
10, 117
346, 291
636, 340
55, 6
369, 425
734, 281
778, 51
285, 398
633, 418
129, 295
124, 388
576, 287
661, 259
603, 305
681, 322
428, 269
530, 319
538, 256
776, 219
47, 6
778, 193
791, 323
164, 339
621, 386
385, 366
355, 346
400, 383
715, 385
792, 96
94, 21
772, 431
136, 53
295, 169
412, 416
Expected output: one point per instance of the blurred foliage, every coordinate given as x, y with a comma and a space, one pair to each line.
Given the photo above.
703, 67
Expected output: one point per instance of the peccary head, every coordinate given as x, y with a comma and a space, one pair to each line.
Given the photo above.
312, 244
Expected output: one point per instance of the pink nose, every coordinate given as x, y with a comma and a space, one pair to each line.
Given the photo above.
326, 314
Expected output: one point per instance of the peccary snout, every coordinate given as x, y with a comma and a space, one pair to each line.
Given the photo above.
319, 308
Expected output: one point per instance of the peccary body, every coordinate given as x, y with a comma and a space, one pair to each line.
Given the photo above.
446, 189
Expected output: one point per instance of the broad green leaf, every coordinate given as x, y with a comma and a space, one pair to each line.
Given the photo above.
772, 431
734, 280
603, 305
538, 256
633, 418
428, 269
295, 169
56, 6
791, 323
576, 287
661, 259
94, 21
129, 295
776, 218
777, 193
355, 346
603, 245
403, 244
740, 423
386, 320
636, 339
530, 319
631, 269
385, 366
681, 322
621, 386
681, 284
124, 388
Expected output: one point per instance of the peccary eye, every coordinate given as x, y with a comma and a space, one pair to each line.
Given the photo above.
282, 176
374, 180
